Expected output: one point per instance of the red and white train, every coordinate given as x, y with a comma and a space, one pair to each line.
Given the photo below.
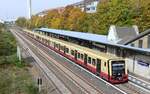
106, 66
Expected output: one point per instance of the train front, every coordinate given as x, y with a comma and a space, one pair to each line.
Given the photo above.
118, 71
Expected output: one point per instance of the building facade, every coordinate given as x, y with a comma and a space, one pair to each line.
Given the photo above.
135, 48
89, 6
141, 41
1, 21
43, 13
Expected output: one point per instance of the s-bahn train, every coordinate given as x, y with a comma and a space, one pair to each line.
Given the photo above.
107, 66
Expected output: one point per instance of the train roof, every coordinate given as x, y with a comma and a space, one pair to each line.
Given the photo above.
80, 35
91, 37
86, 50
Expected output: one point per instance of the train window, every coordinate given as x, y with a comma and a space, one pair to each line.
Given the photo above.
93, 62
72, 52
105, 64
79, 55
62, 48
57, 45
89, 60
67, 50
52, 35
82, 56
50, 42
48, 34
53, 44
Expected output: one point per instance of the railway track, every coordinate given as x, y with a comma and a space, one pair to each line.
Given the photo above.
140, 83
58, 91
52, 87
84, 87
127, 87
106, 83
64, 78
75, 79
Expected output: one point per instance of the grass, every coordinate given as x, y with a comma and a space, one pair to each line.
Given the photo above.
14, 75
16, 80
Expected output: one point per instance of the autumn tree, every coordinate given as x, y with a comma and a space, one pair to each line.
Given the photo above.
21, 22
56, 20
72, 18
35, 22
114, 12
117, 12
65, 16
51, 19
142, 14
122, 13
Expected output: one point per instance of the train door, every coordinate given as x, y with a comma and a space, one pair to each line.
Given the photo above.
59, 47
54, 45
76, 54
85, 59
64, 49
98, 66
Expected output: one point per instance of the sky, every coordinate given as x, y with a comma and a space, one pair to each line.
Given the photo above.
11, 9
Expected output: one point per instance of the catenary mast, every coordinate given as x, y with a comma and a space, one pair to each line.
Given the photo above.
29, 4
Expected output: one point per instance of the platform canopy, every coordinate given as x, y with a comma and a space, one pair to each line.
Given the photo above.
90, 37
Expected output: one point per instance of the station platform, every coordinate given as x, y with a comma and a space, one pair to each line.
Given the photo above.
140, 81
140, 77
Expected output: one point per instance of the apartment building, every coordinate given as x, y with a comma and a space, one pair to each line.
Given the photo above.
89, 6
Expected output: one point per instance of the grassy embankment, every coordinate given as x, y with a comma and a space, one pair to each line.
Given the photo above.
14, 76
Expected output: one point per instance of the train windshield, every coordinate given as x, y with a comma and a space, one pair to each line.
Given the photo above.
118, 68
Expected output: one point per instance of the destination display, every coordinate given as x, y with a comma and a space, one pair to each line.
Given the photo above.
142, 63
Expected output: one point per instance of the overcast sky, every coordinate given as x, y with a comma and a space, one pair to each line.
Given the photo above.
11, 9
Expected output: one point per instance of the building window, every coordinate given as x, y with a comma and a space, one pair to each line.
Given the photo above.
118, 52
140, 43
148, 41
93, 8
132, 45
87, 9
111, 50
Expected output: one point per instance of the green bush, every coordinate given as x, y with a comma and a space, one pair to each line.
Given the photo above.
15, 80
14, 74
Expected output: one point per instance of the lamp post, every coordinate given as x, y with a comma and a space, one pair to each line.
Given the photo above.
29, 3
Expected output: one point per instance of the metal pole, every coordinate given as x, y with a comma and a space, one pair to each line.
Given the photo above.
18, 53
40, 84
29, 3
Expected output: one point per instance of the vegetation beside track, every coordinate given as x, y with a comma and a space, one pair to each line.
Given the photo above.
14, 75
